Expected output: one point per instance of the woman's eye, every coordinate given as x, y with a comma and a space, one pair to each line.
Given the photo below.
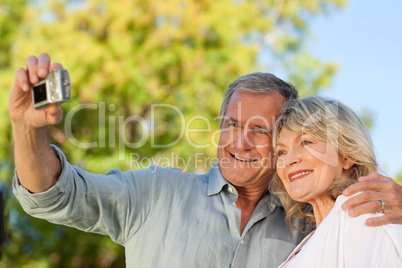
280, 153
305, 142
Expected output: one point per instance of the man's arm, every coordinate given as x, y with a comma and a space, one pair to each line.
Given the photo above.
373, 188
36, 164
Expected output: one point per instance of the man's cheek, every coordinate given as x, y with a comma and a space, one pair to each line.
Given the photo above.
225, 139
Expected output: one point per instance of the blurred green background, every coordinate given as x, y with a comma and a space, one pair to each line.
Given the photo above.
125, 56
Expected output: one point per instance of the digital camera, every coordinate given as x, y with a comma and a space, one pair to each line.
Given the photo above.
54, 88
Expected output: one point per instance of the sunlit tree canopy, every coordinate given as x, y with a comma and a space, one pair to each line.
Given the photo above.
147, 76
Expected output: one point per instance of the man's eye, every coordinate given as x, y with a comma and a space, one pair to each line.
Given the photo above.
232, 124
258, 130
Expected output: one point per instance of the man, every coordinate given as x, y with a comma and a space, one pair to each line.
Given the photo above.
165, 217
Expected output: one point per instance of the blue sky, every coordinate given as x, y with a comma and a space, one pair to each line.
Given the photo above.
366, 39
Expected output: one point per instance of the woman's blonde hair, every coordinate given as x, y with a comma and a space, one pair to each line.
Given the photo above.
325, 120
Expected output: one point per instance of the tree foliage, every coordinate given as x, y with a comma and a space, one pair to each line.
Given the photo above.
125, 58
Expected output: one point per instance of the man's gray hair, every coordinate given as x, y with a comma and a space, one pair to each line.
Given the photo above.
259, 83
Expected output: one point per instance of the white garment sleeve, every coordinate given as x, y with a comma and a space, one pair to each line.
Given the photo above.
365, 246
345, 242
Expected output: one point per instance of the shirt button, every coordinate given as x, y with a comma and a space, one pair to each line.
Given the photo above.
231, 189
242, 242
234, 204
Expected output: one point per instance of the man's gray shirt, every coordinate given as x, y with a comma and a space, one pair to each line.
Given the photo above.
165, 217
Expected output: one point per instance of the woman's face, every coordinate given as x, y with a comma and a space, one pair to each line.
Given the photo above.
307, 167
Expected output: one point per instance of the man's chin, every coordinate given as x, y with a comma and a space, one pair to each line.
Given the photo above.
240, 174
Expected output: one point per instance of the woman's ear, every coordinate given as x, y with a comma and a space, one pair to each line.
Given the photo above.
347, 164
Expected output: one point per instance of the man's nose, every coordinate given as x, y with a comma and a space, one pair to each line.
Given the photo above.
244, 140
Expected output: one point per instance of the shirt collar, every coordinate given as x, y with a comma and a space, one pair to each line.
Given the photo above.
216, 181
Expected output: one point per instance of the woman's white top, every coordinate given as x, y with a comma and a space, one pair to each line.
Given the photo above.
343, 241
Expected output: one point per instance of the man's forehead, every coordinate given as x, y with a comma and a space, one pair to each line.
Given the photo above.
256, 108
256, 100
257, 121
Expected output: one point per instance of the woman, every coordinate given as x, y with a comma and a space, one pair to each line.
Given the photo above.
322, 147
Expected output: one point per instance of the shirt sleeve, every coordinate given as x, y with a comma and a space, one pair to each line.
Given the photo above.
365, 246
114, 204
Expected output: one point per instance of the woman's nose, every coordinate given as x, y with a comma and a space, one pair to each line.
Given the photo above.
292, 157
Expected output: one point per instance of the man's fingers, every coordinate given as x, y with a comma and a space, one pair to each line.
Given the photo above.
32, 63
369, 202
369, 185
375, 176
38, 67
370, 199
21, 80
55, 66
378, 221
385, 219
43, 65
355, 207
54, 114
376, 206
